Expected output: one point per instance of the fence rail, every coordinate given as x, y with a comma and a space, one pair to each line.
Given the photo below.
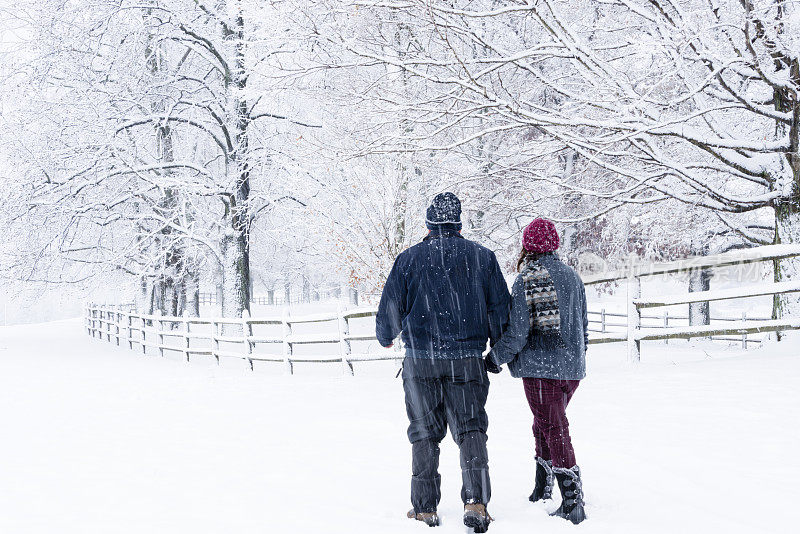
599, 323
183, 334
278, 298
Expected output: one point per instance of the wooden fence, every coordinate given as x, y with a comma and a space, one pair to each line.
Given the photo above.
636, 332
214, 336
196, 336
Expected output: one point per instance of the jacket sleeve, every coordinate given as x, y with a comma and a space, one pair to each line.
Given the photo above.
388, 321
498, 301
515, 337
585, 315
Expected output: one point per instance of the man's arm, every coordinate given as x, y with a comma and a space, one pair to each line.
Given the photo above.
498, 301
388, 322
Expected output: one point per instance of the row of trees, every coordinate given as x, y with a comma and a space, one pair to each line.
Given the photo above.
145, 142
650, 108
181, 141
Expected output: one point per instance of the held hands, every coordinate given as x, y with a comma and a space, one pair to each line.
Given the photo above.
491, 367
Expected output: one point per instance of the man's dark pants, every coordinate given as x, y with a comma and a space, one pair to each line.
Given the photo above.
442, 393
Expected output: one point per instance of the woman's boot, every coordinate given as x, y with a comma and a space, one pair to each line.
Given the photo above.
569, 482
544, 481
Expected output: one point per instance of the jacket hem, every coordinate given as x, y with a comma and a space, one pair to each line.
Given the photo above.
547, 376
458, 354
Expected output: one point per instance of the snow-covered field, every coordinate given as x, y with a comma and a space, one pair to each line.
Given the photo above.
97, 439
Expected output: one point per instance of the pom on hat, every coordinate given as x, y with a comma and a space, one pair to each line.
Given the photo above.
540, 236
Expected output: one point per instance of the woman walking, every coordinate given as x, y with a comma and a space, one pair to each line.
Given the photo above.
545, 345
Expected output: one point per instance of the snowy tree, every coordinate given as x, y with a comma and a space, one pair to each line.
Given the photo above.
694, 100
150, 155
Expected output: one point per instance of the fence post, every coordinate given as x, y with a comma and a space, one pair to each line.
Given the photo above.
247, 332
144, 335
130, 331
634, 319
215, 339
603, 320
100, 324
666, 324
744, 336
103, 325
187, 331
344, 343
287, 346
159, 324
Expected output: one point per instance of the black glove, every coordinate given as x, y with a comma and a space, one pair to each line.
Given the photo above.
490, 365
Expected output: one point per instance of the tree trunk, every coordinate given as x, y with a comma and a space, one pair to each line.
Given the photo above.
144, 299
158, 295
235, 242
169, 304
235, 277
700, 280
699, 312
192, 292
220, 290
787, 230
787, 208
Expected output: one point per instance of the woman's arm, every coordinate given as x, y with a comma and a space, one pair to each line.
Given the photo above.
515, 337
585, 316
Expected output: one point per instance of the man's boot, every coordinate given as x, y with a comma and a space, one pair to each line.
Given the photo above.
476, 517
544, 481
569, 482
429, 518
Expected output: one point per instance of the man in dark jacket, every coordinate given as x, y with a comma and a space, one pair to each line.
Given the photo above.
447, 297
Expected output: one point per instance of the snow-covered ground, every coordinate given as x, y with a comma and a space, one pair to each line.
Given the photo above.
97, 439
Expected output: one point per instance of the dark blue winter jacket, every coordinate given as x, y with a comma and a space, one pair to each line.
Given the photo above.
446, 295
525, 354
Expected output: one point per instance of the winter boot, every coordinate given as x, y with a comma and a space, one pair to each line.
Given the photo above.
431, 519
544, 481
476, 517
569, 482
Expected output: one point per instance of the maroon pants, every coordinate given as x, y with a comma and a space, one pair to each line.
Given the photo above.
548, 400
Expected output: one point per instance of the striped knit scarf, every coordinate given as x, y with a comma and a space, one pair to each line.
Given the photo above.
540, 294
